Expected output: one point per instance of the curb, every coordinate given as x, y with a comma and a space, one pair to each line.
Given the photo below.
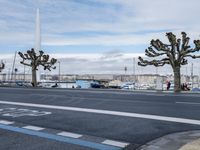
188, 140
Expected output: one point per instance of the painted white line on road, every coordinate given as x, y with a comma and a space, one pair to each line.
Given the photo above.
108, 112
115, 143
80, 142
69, 134
189, 103
6, 122
35, 128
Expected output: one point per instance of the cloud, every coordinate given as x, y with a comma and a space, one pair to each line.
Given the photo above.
131, 21
114, 54
107, 40
99, 64
110, 24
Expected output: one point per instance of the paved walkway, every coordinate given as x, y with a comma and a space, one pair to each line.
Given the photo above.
195, 145
189, 140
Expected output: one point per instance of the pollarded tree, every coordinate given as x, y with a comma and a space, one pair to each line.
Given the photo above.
2, 66
176, 54
33, 60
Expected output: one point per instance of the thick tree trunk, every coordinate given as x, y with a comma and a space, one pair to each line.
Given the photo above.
177, 79
34, 78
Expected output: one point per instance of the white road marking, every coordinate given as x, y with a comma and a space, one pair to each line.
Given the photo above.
16, 112
108, 112
35, 128
190, 103
115, 143
6, 122
69, 134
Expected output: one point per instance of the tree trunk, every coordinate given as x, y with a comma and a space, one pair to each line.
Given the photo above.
177, 79
34, 78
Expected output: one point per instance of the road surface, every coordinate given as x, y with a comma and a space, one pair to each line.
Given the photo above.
73, 119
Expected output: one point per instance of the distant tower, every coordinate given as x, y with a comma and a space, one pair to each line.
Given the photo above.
38, 39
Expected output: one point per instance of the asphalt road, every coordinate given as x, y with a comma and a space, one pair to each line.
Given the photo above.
96, 119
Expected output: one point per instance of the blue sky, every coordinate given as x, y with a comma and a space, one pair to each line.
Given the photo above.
94, 26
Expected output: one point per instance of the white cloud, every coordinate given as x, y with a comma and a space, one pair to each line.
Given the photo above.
98, 64
134, 22
112, 23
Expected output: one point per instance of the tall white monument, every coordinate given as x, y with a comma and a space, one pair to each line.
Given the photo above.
38, 39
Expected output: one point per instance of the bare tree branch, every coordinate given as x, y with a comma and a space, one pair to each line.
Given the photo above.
154, 62
34, 60
175, 53
192, 56
31, 59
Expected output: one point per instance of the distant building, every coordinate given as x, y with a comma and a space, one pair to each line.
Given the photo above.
149, 80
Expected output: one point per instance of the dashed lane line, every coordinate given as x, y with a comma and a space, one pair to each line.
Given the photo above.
108, 112
115, 143
30, 130
69, 134
5, 122
35, 128
189, 103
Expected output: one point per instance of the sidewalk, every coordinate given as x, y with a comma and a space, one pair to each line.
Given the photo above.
195, 145
189, 140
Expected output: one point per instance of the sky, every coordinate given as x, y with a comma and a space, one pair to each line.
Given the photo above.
95, 36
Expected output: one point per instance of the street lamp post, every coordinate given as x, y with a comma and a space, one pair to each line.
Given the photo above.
59, 71
15, 74
125, 69
192, 79
24, 74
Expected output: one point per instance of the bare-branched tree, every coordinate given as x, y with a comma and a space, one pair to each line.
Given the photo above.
176, 54
33, 60
2, 66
